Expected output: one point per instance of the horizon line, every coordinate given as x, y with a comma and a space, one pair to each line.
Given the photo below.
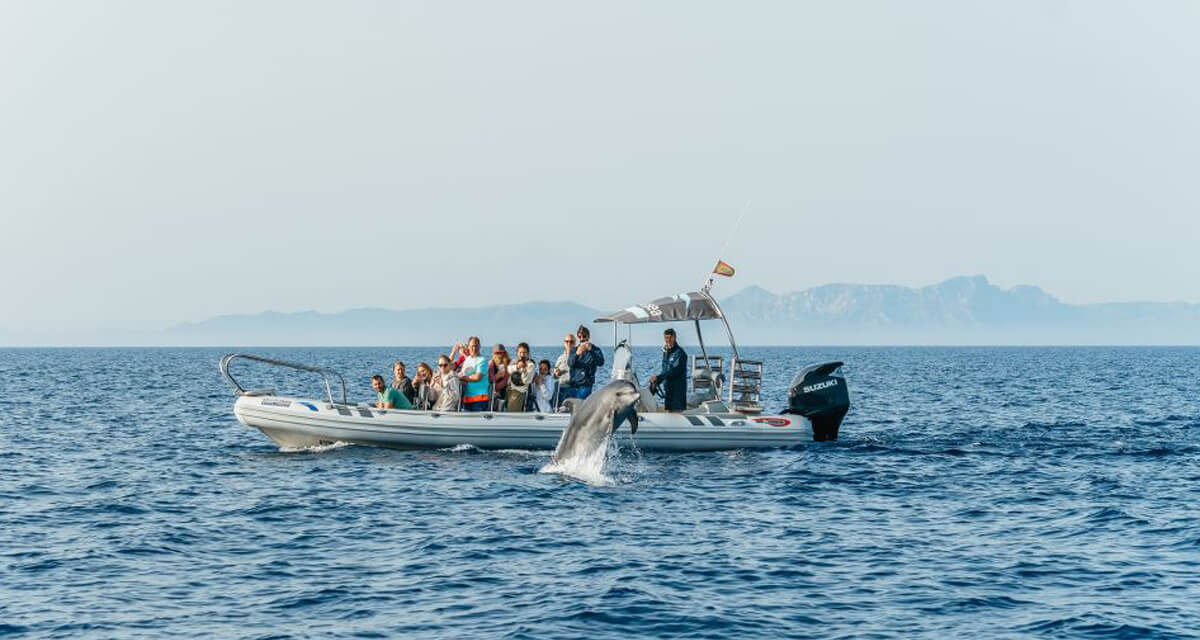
647, 346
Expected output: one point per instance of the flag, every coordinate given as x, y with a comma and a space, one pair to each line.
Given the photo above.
723, 269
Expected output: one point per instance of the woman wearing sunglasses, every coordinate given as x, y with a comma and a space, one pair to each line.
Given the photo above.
445, 384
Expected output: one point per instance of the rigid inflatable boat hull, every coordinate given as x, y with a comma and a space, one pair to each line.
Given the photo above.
299, 423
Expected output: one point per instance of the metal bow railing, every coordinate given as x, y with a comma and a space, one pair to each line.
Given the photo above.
325, 374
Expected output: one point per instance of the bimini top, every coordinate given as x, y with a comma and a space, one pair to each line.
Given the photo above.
693, 305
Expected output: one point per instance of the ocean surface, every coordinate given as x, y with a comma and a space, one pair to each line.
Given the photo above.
975, 493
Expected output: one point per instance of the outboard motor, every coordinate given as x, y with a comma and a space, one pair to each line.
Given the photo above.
819, 393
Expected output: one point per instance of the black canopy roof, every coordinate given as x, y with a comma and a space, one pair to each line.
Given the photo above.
685, 306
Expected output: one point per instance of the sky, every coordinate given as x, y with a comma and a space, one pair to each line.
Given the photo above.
168, 161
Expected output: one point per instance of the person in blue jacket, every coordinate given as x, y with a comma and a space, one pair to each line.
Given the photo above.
673, 376
583, 362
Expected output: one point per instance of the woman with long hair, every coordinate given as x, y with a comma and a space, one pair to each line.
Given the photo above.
424, 393
498, 377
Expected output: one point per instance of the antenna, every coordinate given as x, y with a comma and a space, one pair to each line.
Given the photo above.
736, 226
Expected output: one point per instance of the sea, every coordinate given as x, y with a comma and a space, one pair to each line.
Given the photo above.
974, 493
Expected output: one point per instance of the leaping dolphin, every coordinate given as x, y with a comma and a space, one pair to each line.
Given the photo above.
592, 421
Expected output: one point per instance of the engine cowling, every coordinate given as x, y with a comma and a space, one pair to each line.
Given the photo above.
818, 392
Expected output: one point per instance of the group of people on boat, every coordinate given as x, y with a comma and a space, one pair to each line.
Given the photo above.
465, 380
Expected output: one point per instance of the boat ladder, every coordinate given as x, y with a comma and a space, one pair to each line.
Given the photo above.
746, 388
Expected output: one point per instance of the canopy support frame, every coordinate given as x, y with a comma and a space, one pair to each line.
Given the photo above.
651, 313
728, 334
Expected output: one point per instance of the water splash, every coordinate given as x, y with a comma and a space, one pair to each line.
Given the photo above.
316, 448
525, 453
587, 466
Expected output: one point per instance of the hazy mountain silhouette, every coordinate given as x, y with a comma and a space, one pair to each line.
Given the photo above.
963, 310
536, 322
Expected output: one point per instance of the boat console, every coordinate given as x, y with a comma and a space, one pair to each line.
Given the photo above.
818, 392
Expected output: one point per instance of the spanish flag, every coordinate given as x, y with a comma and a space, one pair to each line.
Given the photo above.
723, 269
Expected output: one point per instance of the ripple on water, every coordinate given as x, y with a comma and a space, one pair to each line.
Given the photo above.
1024, 497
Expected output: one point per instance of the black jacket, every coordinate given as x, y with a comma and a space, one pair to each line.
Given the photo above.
405, 388
583, 368
673, 378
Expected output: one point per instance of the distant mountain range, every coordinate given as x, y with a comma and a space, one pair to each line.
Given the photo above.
534, 322
963, 310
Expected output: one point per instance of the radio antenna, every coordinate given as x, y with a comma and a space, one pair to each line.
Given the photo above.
736, 226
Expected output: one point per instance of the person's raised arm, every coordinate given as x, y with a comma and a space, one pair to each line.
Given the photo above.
593, 357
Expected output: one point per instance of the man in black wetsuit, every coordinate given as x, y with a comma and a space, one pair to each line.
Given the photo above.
673, 376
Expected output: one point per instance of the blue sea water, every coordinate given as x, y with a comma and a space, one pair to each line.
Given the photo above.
976, 492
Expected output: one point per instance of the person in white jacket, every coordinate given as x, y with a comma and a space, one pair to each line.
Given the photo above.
545, 388
562, 367
445, 380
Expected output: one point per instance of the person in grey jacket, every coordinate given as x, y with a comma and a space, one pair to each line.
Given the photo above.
562, 372
583, 362
673, 375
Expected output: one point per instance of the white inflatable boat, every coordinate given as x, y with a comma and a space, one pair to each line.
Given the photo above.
718, 417
297, 422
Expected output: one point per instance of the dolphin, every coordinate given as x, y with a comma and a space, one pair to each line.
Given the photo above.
601, 414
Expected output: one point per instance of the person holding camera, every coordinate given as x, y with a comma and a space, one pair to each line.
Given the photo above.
582, 363
562, 371
520, 374
545, 389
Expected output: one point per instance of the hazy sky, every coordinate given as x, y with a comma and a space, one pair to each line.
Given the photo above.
169, 161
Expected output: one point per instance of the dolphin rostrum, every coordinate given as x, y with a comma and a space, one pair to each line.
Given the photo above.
596, 417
